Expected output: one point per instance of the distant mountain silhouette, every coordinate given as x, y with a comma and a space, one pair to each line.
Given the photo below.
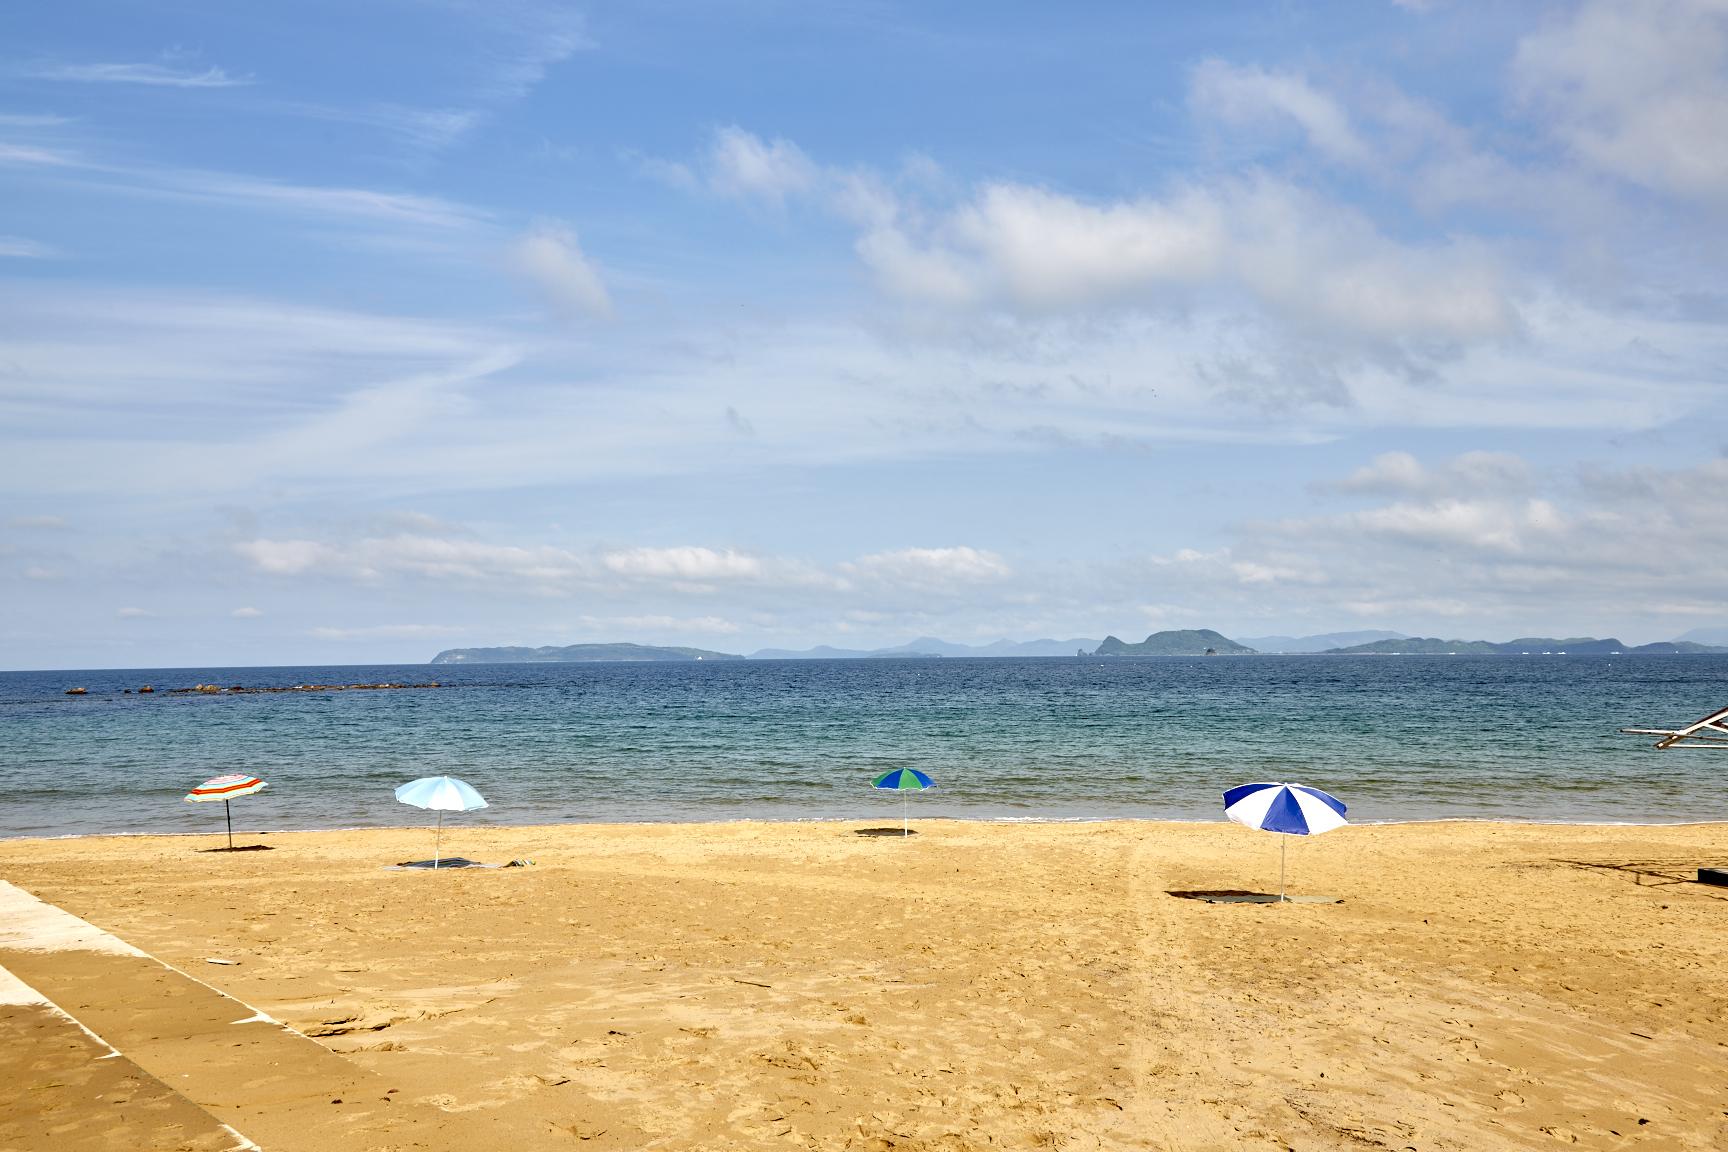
931, 646
1523, 646
576, 654
1324, 642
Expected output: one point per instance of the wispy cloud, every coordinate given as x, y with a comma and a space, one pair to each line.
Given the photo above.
30, 156
17, 246
377, 631
240, 190
552, 259
541, 37
674, 625
32, 120
309, 199
155, 75
427, 129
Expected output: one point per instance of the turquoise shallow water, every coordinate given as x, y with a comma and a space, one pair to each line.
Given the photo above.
1398, 738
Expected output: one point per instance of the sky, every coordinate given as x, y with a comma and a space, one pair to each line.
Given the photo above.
337, 333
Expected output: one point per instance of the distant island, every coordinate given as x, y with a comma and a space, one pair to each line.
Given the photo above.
576, 654
930, 646
1180, 642
1175, 642
1523, 646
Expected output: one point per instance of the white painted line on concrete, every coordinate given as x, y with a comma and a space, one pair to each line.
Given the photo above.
33, 925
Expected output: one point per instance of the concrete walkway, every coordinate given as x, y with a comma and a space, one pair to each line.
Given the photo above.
110, 1048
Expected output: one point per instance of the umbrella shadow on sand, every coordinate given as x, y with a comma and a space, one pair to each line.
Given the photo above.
898, 833
242, 848
1653, 874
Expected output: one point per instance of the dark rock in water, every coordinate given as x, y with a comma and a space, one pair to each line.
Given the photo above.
241, 689
77, 691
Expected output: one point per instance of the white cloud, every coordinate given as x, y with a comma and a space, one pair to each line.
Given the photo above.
550, 257
1400, 473
1482, 525
36, 522
154, 75
676, 625
1051, 250
926, 567
246, 613
385, 631
638, 572
1300, 260
1639, 90
744, 165
1483, 537
1253, 96
701, 564
285, 557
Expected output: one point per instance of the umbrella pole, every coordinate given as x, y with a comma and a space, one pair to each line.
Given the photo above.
905, 815
228, 811
1283, 843
438, 841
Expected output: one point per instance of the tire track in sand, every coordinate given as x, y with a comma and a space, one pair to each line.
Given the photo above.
1177, 1089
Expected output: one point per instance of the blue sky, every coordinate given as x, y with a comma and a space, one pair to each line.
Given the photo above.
345, 333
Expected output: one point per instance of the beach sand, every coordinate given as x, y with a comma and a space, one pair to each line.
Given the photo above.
785, 986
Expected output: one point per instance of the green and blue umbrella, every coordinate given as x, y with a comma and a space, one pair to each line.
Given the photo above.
904, 780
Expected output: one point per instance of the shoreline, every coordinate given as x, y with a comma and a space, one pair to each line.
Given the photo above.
770, 822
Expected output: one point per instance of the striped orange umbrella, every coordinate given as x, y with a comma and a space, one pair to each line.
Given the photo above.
225, 788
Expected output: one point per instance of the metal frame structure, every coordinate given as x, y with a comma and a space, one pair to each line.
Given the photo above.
1710, 732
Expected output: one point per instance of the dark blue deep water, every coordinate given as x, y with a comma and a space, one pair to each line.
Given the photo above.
1398, 738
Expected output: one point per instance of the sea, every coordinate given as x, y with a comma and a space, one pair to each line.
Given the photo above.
1397, 738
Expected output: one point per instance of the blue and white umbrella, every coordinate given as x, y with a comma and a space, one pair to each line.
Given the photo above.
1291, 809
441, 794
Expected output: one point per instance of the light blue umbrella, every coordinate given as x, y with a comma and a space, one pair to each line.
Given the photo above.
1290, 809
904, 780
441, 794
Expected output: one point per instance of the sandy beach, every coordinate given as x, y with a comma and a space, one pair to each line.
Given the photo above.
979, 985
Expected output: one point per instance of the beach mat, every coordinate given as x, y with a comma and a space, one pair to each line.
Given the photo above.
1222, 897
446, 862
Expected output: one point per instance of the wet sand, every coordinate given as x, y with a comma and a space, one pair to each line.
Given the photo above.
793, 986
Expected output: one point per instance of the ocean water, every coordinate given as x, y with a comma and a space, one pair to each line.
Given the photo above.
1397, 738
